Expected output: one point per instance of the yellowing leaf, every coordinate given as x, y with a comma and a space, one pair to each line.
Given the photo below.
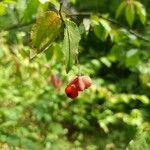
44, 32
70, 43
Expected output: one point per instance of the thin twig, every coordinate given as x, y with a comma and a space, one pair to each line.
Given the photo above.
138, 35
61, 17
17, 26
78, 64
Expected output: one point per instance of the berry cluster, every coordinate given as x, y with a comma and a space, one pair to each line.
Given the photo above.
79, 83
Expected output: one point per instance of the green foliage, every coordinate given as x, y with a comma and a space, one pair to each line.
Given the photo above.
132, 58
131, 8
141, 142
101, 28
113, 113
130, 14
2, 8
70, 43
120, 8
140, 11
30, 10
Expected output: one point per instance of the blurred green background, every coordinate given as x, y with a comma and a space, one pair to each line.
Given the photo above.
114, 114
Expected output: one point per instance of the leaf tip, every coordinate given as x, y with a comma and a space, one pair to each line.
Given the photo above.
32, 55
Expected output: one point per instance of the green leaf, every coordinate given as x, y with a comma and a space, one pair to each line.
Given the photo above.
141, 141
130, 14
31, 9
105, 61
1, 53
49, 52
13, 140
70, 43
132, 58
2, 8
140, 11
100, 32
105, 25
120, 8
53, 2
28, 144
10, 1
44, 32
101, 27
117, 52
144, 99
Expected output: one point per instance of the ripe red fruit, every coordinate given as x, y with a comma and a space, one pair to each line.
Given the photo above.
71, 91
74, 80
80, 85
81, 82
87, 81
78, 82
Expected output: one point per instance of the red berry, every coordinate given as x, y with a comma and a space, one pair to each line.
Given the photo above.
87, 81
71, 91
78, 83
81, 82
74, 80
